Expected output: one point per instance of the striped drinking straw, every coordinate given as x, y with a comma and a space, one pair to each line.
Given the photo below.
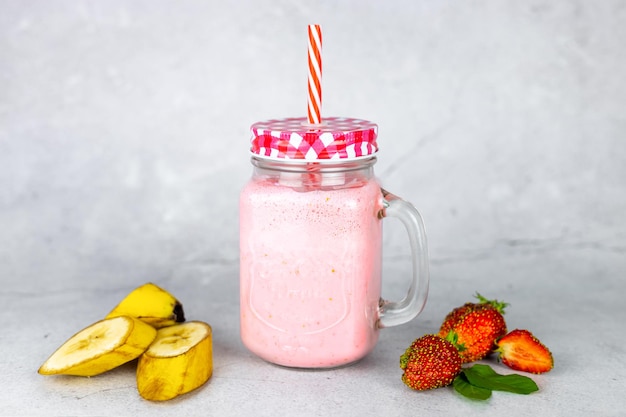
315, 74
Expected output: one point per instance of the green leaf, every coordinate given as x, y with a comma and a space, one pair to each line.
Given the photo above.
484, 370
484, 377
453, 338
498, 305
463, 387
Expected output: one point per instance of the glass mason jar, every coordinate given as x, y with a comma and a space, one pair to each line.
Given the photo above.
311, 245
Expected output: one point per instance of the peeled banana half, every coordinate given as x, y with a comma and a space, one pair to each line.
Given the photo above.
178, 361
151, 304
100, 347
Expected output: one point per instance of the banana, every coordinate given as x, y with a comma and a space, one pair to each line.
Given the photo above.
151, 304
178, 361
100, 347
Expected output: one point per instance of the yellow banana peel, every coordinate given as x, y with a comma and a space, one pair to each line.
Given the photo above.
151, 304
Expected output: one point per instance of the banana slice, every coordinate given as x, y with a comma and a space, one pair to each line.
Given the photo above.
178, 361
151, 304
100, 347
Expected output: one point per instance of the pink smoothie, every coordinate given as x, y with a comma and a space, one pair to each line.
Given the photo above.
310, 271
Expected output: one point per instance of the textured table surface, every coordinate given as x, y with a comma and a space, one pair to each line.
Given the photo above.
124, 133
570, 298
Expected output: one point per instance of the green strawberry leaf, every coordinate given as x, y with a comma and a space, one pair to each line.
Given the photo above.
498, 305
463, 387
484, 376
453, 338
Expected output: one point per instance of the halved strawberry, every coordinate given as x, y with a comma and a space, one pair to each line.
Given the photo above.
522, 351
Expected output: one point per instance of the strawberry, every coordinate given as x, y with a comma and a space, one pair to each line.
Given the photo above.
477, 327
522, 351
430, 362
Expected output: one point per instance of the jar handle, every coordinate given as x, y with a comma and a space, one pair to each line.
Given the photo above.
394, 313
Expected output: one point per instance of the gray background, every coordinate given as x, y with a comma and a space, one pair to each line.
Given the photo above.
124, 131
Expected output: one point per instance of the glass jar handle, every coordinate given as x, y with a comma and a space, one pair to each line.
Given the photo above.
394, 313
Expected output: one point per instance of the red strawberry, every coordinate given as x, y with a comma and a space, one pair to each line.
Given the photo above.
430, 362
477, 326
522, 351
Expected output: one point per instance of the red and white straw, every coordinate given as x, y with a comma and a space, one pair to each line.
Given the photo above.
315, 74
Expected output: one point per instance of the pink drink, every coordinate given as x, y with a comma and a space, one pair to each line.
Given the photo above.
311, 244
310, 267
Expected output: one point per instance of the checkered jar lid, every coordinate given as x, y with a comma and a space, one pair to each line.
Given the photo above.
295, 139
